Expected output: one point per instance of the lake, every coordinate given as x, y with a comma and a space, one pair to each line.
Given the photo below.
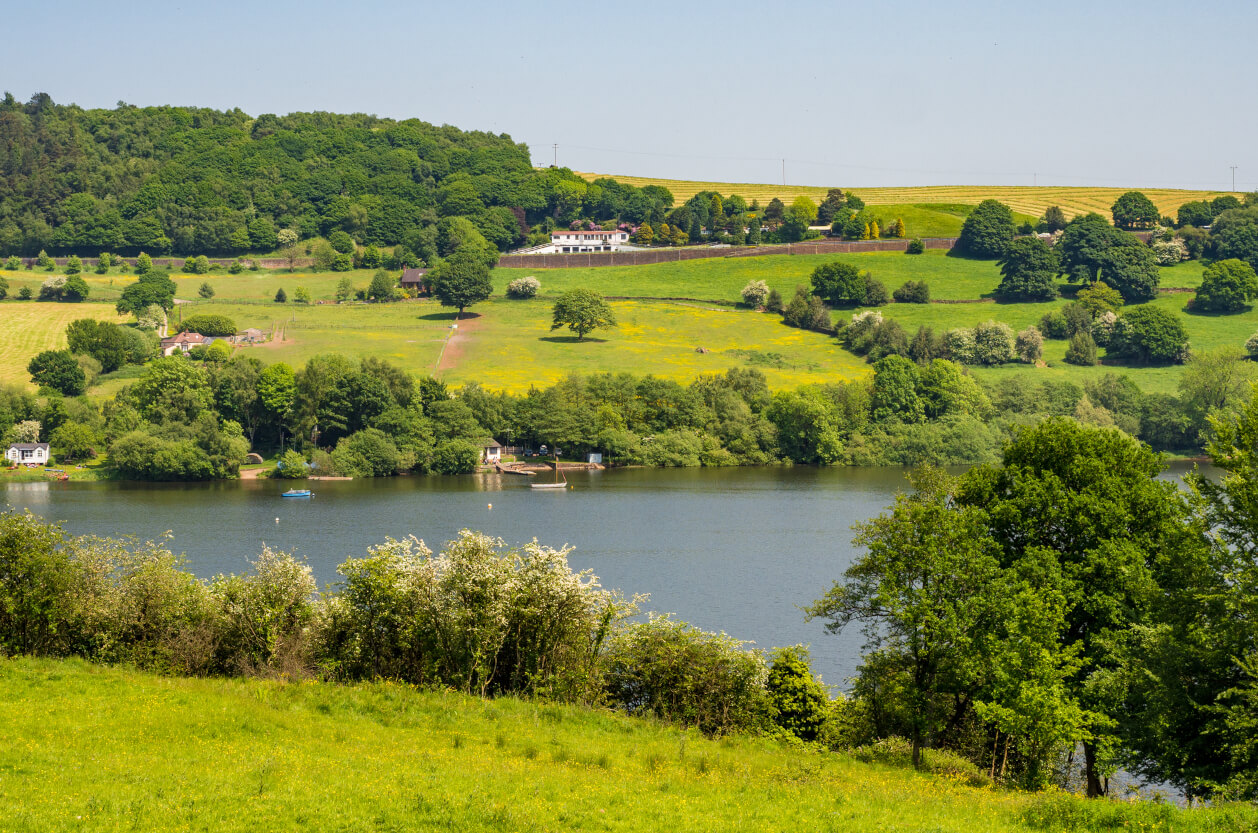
738, 549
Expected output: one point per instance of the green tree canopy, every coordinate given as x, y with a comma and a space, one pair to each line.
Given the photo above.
839, 284
1028, 271
58, 370
987, 231
461, 280
1134, 210
1086, 504
1149, 335
582, 311
1226, 286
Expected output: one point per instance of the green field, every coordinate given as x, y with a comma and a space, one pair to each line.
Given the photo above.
1028, 200
89, 748
507, 344
28, 328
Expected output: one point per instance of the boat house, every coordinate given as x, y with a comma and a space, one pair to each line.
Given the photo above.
491, 452
28, 454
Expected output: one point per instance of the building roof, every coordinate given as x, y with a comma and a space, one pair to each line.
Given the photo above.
414, 275
491, 443
253, 331
29, 446
581, 231
184, 338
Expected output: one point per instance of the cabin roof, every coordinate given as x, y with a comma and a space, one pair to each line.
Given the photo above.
29, 446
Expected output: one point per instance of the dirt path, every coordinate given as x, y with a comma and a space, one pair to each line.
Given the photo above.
453, 351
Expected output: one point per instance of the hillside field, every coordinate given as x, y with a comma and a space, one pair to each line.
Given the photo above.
28, 328
1028, 200
90, 748
677, 320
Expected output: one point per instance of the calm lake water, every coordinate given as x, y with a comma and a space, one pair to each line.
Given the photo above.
738, 550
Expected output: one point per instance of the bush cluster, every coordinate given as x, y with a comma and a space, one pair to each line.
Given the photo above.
523, 287
478, 616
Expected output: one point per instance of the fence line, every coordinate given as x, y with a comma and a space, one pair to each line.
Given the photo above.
641, 258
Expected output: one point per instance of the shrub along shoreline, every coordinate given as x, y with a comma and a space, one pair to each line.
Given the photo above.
196, 419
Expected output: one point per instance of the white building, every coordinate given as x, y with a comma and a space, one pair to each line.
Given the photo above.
564, 241
28, 454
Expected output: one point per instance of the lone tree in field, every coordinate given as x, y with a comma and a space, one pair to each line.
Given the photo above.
461, 281
583, 311
839, 284
1134, 210
987, 231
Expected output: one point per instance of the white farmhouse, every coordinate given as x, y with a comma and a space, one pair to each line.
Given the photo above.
564, 241
28, 454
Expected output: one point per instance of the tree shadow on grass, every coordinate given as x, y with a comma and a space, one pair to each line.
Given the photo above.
572, 340
448, 316
1198, 312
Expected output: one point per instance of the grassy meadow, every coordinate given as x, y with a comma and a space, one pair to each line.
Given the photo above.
28, 328
90, 748
507, 344
1028, 200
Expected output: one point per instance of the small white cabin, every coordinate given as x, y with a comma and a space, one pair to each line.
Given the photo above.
28, 454
491, 452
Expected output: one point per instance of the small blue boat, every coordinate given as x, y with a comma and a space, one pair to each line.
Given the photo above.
298, 493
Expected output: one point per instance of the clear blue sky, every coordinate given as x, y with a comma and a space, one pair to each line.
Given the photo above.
912, 92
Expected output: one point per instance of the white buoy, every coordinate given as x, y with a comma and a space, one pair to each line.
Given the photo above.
277, 520
491, 506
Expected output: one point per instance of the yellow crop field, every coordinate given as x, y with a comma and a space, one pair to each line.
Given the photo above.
1022, 199
27, 328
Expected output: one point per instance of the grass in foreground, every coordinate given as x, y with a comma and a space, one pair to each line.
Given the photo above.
90, 748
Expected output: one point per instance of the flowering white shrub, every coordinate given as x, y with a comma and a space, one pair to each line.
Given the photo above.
523, 287
993, 343
961, 345
1170, 251
755, 293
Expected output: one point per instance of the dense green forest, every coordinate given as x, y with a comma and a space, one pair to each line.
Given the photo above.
196, 180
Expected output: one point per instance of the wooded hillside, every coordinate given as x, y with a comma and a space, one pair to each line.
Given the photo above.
186, 179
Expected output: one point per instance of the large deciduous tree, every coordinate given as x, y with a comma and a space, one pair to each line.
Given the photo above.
1149, 335
987, 231
1086, 503
58, 370
1028, 270
956, 630
1226, 286
582, 311
1134, 210
839, 284
461, 281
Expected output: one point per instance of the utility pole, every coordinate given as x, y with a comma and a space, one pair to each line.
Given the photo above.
1233, 167
555, 147
783, 173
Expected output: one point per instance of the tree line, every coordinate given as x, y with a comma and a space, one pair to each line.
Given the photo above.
195, 418
186, 179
